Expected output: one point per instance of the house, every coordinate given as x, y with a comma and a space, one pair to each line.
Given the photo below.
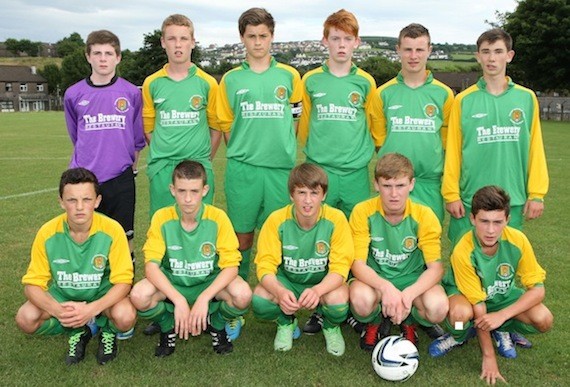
22, 89
457, 81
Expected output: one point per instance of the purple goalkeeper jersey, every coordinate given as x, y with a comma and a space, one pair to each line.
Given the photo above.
105, 126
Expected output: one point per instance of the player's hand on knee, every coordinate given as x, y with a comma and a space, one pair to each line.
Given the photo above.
309, 299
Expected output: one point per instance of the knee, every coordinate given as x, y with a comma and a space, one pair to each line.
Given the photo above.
242, 298
123, 314
362, 305
27, 321
140, 298
544, 323
461, 313
438, 312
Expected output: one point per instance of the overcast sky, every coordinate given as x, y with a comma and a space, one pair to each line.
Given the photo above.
215, 21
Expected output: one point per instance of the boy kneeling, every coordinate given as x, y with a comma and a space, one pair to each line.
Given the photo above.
191, 263
303, 257
81, 269
397, 258
486, 262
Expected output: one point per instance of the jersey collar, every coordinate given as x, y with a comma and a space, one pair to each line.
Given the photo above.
353, 68
429, 77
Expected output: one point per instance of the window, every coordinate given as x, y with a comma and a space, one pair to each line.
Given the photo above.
40, 87
23, 87
8, 87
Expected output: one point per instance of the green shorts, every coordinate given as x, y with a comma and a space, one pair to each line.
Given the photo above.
295, 287
160, 181
428, 192
59, 296
252, 193
346, 191
458, 227
191, 293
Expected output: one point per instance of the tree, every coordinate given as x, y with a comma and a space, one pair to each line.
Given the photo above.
23, 46
67, 46
74, 67
381, 68
52, 74
541, 39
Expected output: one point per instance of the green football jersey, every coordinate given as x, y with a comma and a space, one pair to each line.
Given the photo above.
259, 109
493, 279
336, 119
195, 257
413, 122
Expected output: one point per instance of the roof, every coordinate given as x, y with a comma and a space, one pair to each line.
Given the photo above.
19, 74
458, 80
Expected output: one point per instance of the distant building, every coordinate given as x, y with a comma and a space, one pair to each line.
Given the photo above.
457, 81
22, 89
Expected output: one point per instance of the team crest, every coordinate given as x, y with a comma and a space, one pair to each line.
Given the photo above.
281, 93
196, 102
517, 116
99, 262
505, 271
355, 99
322, 248
430, 110
409, 244
207, 250
121, 104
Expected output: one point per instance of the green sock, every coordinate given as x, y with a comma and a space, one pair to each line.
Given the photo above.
267, 310
334, 315
225, 313
162, 313
110, 327
50, 327
372, 318
419, 319
243, 271
460, 335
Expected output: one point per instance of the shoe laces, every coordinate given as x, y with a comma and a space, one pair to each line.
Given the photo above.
73, 341
333, 335
445, 343
234, 323
219, 338
168, 339
504, 340
108, 340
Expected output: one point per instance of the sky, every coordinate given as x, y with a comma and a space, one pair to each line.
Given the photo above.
215, 21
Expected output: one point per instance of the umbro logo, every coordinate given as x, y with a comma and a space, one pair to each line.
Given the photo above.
174, 248
242, 91
290, 247
479, 115
319, 95
377, 239
395, 107
83, 102
61, 261
159, 100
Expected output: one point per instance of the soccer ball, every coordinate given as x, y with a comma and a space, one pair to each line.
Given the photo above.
395, 359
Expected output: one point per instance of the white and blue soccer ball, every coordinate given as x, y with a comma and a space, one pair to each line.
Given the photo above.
395, 359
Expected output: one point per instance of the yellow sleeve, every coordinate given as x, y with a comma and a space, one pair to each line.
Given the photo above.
120, 261
379, 117
148, 111
154, 247
446, 113
303, 129
38, 273
429, 234
529, 270
453, 155
269, 247
211, 110
370, 111
224, 111
297, 94
227, 243
466, 279
359, 228
342, 247
537, 171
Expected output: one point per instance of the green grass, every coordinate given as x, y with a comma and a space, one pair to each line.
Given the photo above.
34, 150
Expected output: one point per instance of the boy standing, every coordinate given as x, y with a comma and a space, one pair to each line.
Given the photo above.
303, 257
336, 118
412, 111
80, 269
179, 113
191, 265
397, 259
104, 122
487, 262
494, 138
257, 106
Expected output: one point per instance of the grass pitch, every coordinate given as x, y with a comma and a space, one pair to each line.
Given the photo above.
35, 149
